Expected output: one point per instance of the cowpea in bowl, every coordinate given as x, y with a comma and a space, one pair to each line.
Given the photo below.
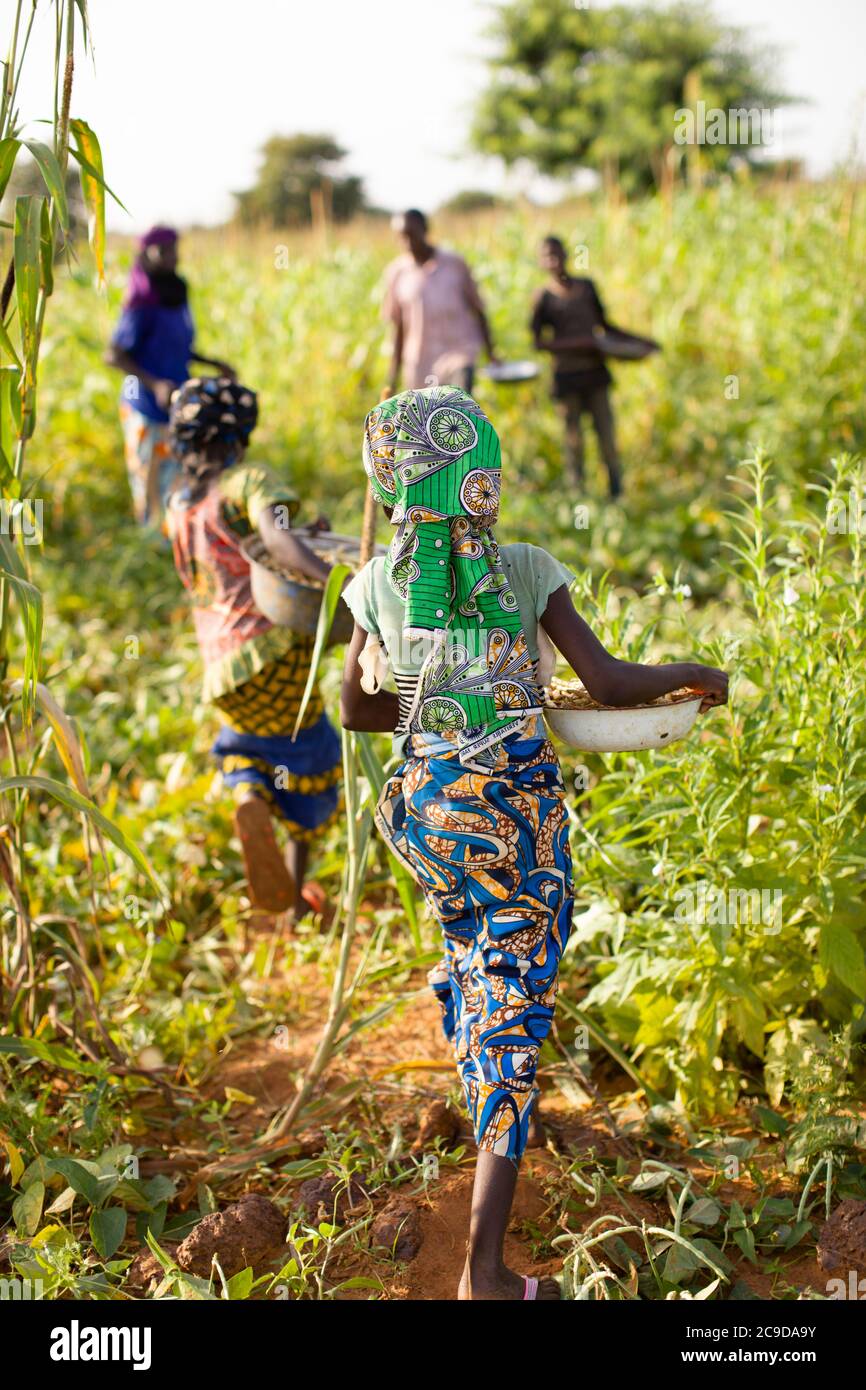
575, 718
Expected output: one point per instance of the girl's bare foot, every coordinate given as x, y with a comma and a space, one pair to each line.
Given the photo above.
501, 1284
270, 883
313, 897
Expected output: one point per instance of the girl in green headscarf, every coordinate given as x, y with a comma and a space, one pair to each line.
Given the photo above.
477, 808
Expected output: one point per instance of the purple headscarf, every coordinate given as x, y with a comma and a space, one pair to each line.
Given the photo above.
140, 290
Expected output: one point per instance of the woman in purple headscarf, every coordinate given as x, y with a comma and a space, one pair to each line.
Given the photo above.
153, 346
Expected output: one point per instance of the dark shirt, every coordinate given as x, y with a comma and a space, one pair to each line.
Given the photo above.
574, 311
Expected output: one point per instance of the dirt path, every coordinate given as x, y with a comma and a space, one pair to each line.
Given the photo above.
377, 1090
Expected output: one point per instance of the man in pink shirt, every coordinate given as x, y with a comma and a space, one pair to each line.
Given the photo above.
438, 315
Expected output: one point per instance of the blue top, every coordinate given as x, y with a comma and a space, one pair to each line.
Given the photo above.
160, 340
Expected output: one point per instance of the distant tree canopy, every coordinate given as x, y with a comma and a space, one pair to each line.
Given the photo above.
297, 173
470, 200
599, 87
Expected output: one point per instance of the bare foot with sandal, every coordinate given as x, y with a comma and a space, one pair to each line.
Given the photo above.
500, 1284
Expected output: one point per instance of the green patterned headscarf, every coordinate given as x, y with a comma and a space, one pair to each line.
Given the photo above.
433, 456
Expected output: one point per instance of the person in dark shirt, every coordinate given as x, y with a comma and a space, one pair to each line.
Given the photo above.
153, 346
566, 315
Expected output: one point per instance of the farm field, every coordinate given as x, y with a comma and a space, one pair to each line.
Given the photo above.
705, 1077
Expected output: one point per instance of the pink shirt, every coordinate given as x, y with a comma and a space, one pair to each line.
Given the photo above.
438, 303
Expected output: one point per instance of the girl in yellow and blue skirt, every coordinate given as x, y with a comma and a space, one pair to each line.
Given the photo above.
476, 810
255, 673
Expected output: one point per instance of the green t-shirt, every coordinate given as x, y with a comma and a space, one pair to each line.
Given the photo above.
532, 573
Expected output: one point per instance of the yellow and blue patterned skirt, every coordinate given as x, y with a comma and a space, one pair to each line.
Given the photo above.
299, 777
490, 849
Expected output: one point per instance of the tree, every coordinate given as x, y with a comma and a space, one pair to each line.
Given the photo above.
470, 200
601, 87
297, 173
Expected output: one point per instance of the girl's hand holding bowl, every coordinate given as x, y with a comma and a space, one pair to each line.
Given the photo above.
712, 684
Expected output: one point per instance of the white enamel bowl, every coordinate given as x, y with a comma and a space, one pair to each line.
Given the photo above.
511, 372
623, 730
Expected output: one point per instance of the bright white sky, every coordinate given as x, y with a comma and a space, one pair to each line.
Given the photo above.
184, 91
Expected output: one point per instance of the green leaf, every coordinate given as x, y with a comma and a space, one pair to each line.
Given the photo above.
596, 1031
207, 1202
742, 1293
330, 599
10, 409
680, 1264
38, 1170
81, 6
152, 1221
93, 188
8, 347
13, 1155
770, 1121
240, 1284
107, 1229
199, 1288
704, 1212
55, 1054
46, 252
85, 1183
650, 1180
133, 1194
30, 600
27, 231
8, 154
357, 1282
376, 776
746, 1241
27, 1209
840, 951
92, 1104
712, 1252
160, 1188
797, 1232
53, 177
703, 1255
736, 1216
25, 253
791, 1050
74, 801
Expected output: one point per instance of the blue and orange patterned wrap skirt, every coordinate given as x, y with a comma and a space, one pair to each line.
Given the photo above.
151, 464
490, 849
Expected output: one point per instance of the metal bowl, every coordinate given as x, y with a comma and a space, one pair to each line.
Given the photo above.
291, 603
623, 730
627, 347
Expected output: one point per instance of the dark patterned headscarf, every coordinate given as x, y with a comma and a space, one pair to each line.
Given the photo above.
209, 410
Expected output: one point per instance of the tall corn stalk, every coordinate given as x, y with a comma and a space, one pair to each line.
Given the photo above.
40, 230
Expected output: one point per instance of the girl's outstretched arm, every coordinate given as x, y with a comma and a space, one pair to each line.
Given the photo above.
622, 683
287, 547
